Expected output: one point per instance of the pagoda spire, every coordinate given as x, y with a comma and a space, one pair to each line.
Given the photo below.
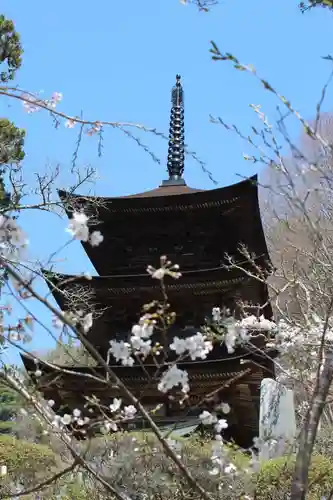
176, 155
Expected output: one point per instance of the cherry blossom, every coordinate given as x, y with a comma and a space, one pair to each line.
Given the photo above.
96, 238
87, 322
207, 418
78, 227
66, 419
129, 412
225, 408
157, 274
254, 323
31, 103
178, 345
70, 123
141, 346
122, 352
56, 98
216, 314
167, 268
197, 346
172, 378
12, 239
221, 425
109, 425
145, 328
115, 405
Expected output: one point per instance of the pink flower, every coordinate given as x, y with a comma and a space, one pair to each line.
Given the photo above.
69, 123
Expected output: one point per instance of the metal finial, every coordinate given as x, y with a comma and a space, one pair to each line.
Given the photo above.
176, 156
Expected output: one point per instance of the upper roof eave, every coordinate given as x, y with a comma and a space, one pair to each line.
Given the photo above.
170, 196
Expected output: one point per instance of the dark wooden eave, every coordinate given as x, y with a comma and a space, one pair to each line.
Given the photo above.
166, 198
194, 229
236, 381
204, 375
117, 301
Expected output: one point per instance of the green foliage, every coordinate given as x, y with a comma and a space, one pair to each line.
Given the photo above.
11, 143
10, 403
136, 462
11, 137
316, 3
73, 488
27, 463
10, 49
274, 478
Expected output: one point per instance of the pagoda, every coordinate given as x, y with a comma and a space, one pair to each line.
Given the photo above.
196, 229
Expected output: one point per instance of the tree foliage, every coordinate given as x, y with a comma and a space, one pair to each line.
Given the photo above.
10, 49
10, 403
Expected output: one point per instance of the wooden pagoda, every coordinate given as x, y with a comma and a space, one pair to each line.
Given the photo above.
195, 229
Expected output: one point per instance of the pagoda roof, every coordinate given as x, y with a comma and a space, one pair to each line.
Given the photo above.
117, 301
204, 224
138, 379
104, 289
228, 379
167, 190
164, 198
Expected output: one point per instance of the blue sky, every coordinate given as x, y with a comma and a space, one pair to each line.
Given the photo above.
117, 61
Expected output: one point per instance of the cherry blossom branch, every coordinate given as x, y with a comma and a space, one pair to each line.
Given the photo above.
114, 378
47, 416
324, 379
217, 55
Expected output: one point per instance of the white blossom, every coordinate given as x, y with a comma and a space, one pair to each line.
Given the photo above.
87, 322
96, 238
225, 408
216, 314
115, 405
145, 327
3, 470
12, 239
141, 346
172, 378
221, 425
70, 123
230, 338
254, 323
178, 345
122, 352
197, 346
129, 411
109, 425
207, 418
66, 419
76, 413
157, 274
78, 227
